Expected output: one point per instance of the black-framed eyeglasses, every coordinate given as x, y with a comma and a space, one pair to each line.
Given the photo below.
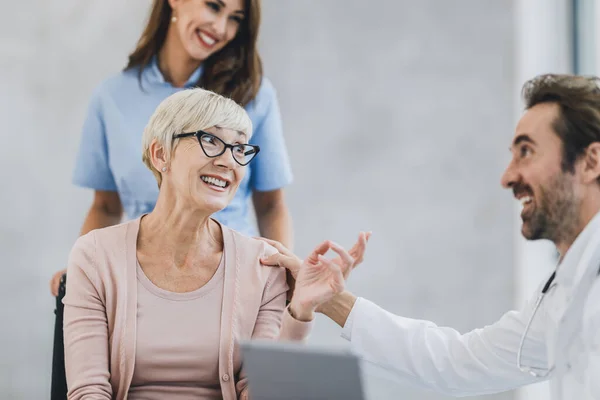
213, 146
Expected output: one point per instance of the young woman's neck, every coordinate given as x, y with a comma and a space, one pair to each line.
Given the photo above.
174, 62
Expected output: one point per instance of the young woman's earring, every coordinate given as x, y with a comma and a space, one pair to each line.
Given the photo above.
173, 18
164, 169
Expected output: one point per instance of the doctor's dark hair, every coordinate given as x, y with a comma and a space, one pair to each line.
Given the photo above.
578, 98
234, 71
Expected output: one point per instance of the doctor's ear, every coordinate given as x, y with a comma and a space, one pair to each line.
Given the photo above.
591, 163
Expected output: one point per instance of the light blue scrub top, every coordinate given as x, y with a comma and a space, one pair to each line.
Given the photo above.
110, 152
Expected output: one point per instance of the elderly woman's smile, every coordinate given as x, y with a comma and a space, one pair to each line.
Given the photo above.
216, 182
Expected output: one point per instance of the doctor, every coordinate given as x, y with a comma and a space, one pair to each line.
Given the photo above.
555, 174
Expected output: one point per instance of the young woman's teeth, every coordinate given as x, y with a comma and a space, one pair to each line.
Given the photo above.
206, 39
214, 181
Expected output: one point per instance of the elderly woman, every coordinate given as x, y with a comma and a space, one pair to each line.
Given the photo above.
155, 307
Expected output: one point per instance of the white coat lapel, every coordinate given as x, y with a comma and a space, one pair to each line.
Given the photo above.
575, 278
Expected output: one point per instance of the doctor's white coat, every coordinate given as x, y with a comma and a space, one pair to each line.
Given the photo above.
564, 336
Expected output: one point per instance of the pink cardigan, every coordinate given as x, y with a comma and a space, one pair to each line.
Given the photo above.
101, 308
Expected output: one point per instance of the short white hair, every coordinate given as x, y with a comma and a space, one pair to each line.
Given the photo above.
190, 110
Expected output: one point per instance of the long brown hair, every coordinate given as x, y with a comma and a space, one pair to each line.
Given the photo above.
235, 71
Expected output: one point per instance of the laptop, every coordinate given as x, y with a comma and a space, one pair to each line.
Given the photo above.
296, 371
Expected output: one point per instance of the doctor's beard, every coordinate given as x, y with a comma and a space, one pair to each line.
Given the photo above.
556, 211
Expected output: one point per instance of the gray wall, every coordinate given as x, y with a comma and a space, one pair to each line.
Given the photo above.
397, 117
52, 56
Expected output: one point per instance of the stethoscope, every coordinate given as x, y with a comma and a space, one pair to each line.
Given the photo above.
533, 371
536, 371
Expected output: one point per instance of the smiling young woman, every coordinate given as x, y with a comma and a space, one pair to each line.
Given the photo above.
186, 43
220, 33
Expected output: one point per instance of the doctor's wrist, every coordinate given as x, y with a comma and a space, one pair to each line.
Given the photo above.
338, 308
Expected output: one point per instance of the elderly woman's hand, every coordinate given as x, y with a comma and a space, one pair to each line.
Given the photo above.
318, 279
288, 260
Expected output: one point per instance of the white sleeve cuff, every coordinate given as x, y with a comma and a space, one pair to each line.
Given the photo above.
347, 330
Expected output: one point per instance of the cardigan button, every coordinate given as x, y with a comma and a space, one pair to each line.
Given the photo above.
226, 377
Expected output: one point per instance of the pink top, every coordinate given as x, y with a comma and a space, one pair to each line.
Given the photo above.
181, 364
101, 306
